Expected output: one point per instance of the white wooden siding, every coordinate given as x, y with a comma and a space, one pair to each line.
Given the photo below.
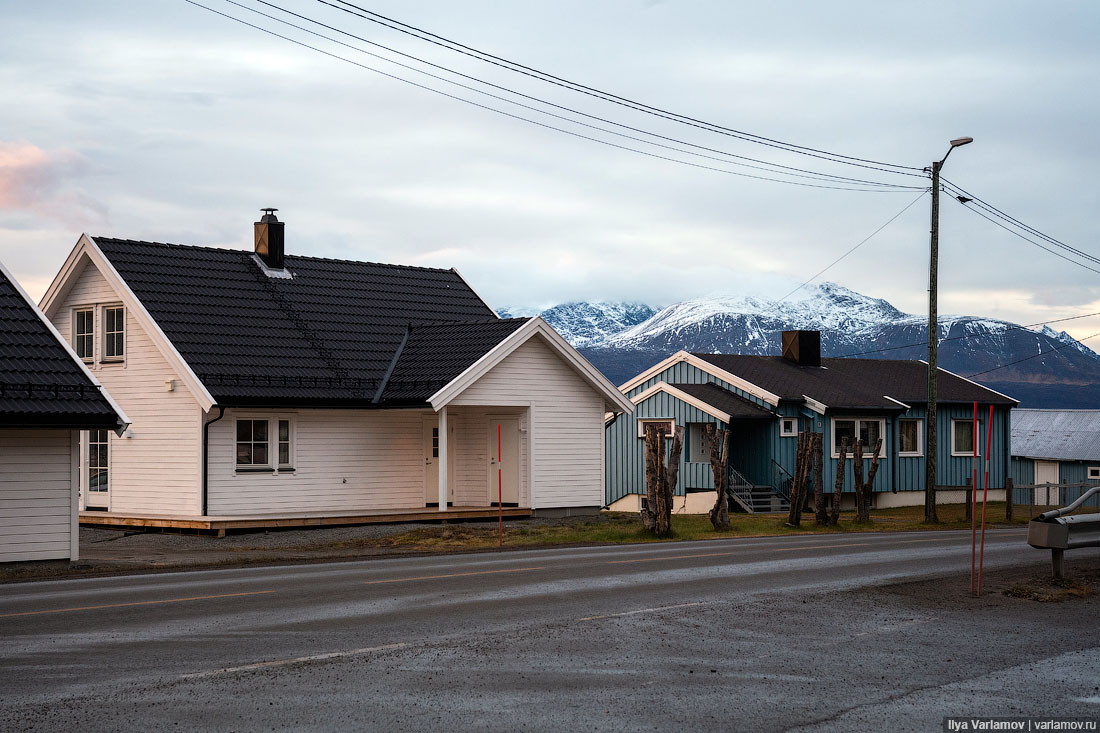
346, 461
158, 469
469, 450
565, 423
36, 495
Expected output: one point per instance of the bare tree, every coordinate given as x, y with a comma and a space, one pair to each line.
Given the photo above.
660, 479
838, 489
804, 474
719, 443
864, 489
821, 517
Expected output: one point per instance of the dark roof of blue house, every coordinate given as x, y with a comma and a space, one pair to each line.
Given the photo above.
41, 384
854, 383
326, 335
734, 405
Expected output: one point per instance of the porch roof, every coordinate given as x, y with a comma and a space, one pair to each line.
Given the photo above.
734, 405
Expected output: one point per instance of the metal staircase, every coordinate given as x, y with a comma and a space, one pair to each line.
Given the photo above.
754, 498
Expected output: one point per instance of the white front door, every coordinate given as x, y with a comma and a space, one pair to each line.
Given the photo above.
1046, 472
504, 461
431, 461
96, 470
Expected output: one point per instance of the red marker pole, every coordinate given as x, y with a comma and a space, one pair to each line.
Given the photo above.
500, 493
985, 497
974, 501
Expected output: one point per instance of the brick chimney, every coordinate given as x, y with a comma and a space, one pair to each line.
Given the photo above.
802, 347
269, 239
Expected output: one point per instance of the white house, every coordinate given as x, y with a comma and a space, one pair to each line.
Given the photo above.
47, 396
265, 387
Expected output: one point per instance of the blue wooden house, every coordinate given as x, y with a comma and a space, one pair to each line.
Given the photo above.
1055, 446
766, 401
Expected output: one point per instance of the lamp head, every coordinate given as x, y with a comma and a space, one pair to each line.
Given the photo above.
961, 141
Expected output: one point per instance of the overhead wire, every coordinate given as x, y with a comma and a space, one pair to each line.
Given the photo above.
528, 119
546, 77
853, 249
1034, 356
766, 166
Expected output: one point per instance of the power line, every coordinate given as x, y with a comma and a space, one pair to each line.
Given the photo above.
853, 249
1034, 356
529, 120
813, 175
518, 68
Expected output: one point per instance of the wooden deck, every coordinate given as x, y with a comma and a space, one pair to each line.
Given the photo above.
304, 519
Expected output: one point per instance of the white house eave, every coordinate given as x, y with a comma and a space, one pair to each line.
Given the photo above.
123, 419
87, 247
702, 364
987, 389
535, 326
683, 397
898, 402
815, 405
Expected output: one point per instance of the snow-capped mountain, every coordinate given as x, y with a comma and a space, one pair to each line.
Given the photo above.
623, 338
588, 324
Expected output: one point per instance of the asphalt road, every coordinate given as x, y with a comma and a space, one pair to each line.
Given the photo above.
761, 634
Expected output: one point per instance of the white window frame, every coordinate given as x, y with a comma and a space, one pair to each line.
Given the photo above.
857, 419
270, 465
291, 442
702, 440
643, 421
104, 357
89, 444
970, 453
920, 438
793, 432
90, 357
1094, 473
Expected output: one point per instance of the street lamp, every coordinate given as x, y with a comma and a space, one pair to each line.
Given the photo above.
933, 338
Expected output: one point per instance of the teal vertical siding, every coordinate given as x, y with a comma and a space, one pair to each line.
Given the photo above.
1069, 472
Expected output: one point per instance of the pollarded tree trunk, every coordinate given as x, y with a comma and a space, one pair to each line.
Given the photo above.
869, 484
654, 463
794, 516
719, 443
857, 480
820, 515
669, 477
838, 489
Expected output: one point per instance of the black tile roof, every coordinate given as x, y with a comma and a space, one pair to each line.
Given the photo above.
853, 383
40, 383
734, 405
325, 336
435, 354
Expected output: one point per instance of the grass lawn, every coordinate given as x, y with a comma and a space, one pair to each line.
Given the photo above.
623, 528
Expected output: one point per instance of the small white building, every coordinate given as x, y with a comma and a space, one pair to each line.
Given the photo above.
274, 389
47, 396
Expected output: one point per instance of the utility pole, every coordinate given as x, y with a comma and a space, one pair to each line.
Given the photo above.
934, 339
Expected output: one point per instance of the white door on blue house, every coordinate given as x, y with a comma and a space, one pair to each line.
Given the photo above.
1046, 472
95, 479
504, 465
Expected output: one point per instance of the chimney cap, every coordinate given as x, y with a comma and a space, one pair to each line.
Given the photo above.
269, 214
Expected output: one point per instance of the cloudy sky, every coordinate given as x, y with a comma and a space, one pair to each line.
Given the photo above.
163, 121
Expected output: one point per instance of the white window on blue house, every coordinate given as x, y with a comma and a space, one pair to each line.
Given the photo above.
664, 425
909, 437
1094, 473
788, 427
962, 438
866, 429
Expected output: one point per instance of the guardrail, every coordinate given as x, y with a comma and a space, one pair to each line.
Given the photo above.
1058, 531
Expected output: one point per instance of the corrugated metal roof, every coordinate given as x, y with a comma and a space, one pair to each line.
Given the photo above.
1061, 435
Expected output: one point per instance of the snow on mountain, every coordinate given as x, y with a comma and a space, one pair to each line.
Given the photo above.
587, 324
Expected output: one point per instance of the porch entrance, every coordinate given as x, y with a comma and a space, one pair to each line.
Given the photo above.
95, 470
503, 435
1046, 472
430, 444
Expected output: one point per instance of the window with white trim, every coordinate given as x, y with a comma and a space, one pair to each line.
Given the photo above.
665, 425
788, 427
698, 448
962, 437
1094, 473
910, 440
114, 333
84, 333
286, 445
866, 429
99, 460
252, 443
